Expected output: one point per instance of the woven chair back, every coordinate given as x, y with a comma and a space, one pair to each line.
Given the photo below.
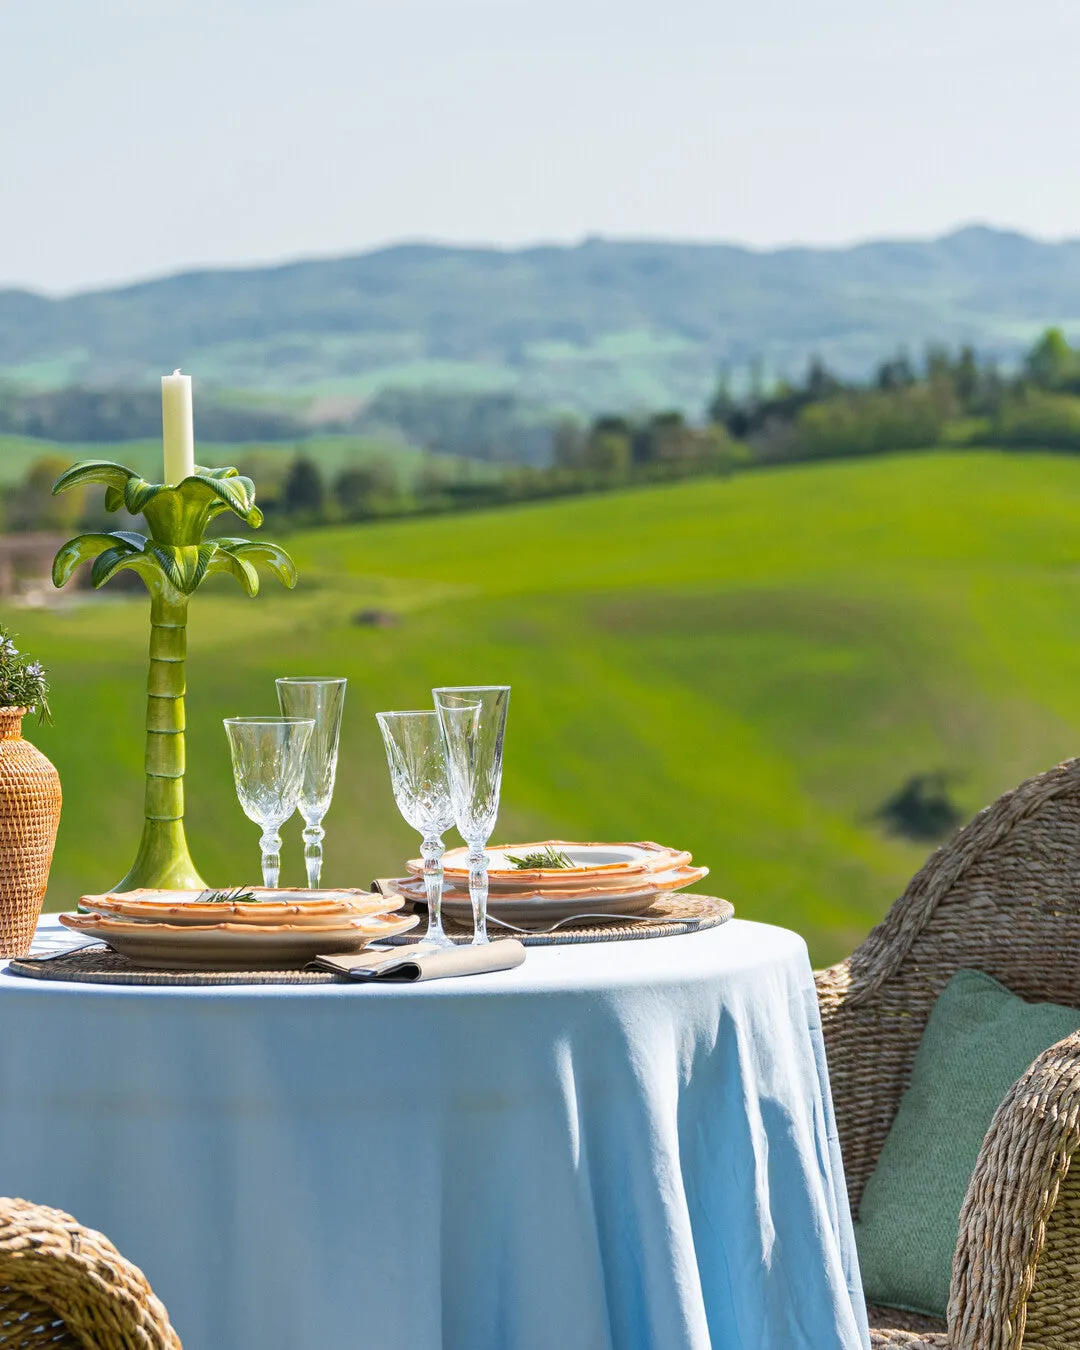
1001, 896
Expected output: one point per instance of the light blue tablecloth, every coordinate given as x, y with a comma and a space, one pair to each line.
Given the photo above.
621, 1146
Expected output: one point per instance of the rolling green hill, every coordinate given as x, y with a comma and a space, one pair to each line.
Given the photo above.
603, 325
746, 668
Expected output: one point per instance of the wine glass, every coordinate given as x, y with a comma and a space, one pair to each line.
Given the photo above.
416, 754
268, 765
322, 700
473, 721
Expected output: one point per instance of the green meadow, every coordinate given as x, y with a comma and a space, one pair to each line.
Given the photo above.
744, 667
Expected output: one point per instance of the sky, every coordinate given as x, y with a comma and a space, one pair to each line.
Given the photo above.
138, 138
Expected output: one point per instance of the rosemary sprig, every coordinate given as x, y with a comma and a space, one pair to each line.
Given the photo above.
239, 896
549, 859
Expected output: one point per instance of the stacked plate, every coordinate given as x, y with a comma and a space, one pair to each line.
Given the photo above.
254, 929
608, 879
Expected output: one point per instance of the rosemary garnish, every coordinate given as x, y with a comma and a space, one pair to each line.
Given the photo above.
239, 896
550, 859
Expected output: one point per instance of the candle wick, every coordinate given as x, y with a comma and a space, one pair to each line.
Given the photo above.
176, 371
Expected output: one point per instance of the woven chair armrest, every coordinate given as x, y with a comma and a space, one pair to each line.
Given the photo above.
52, 1269
842, 1020
1006, 1275
834, 984
909, 1340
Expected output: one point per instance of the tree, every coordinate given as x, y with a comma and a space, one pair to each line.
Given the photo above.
608, 448
365, 490
722, 405
268, 468
821, 383
303, 493
668, 438
32, 504
966, 379
430, 485
896, 373
1052, 363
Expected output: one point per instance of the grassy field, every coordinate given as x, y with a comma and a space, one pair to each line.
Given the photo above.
745, 668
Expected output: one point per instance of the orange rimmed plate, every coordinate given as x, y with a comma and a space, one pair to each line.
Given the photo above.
234, 946
546, 906
592, 863
296, 907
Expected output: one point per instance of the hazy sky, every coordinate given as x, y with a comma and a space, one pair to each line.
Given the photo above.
140, 137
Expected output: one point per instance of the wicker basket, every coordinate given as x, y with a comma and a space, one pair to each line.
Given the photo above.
29, 816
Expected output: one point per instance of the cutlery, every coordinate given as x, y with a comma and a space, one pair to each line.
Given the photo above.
577, 918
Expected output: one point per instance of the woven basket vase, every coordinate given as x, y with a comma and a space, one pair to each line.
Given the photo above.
29, 816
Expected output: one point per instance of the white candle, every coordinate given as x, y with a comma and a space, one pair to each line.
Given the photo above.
177, 427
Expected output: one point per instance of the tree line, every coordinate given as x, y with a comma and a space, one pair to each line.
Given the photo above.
296, 491
949, 399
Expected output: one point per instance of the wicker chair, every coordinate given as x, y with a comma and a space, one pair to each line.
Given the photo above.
65, 1287
1002, 896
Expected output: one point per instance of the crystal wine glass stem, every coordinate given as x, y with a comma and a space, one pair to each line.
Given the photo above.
431, 850
313, 837
478, 890
271, 856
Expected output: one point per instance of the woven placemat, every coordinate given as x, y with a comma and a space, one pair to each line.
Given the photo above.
667, 917
98, 965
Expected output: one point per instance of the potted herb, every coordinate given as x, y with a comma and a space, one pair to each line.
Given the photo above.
29, 800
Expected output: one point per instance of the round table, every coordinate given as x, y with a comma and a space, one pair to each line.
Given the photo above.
619, 1146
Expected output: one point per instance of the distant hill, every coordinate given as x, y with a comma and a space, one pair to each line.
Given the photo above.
597, 326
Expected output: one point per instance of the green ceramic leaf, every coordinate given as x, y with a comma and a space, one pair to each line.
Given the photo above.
137, 541
224, 489
184, 566
122, 558
76, 551
264, 554
235, 493
226, 561
138, 493
114, 476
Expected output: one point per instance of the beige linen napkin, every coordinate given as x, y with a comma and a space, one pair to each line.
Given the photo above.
419, 962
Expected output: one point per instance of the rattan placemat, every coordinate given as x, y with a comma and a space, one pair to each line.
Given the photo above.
666, 917
98, 965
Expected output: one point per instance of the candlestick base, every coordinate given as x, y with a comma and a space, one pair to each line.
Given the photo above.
163, 862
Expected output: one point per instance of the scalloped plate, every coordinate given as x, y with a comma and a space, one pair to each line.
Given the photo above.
547, 906
234, 946
594, 863
296, 907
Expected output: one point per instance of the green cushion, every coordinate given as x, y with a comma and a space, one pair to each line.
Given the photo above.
979, 1040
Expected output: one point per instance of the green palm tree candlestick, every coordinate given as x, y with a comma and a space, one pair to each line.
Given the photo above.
172, 562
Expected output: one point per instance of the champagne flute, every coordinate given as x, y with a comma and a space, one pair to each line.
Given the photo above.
322, 700
416, 754
268, 767
473, 721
